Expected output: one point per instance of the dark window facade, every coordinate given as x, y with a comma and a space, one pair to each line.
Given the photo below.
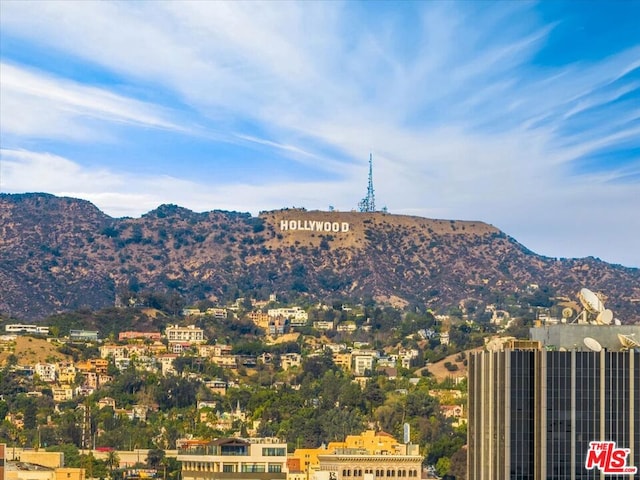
522, 425
532, 414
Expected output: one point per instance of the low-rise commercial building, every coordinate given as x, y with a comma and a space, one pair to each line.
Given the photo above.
234, 458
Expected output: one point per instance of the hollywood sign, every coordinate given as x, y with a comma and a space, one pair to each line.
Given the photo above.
313, 226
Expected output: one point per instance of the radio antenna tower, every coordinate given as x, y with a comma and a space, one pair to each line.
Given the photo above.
368, 203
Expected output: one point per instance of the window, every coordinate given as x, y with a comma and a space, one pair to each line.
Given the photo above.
253, 468
273, 452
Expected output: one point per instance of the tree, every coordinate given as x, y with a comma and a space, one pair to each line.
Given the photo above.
4, 409
71, 454
155, 457
30, 416
176, 392
442, 465
112, 461
458, 467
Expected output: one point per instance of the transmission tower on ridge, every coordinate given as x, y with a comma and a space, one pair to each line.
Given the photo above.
368, 203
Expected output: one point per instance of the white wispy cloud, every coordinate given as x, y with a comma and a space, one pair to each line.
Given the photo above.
39, 105
461, 121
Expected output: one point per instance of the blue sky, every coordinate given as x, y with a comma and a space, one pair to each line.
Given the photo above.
525, 115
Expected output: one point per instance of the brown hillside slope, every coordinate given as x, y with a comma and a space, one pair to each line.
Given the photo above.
60, 254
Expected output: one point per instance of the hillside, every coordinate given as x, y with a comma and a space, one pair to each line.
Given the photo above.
29, 351
59, 254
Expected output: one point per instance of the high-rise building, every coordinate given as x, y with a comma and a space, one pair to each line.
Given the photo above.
538, 413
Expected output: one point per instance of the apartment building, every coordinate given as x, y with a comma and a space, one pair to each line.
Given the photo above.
189, 334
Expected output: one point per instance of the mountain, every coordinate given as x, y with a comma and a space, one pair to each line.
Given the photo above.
59, 254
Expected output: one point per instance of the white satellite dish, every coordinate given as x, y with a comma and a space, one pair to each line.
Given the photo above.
590, 301
592, 344
567, 312
628, 341
605, 317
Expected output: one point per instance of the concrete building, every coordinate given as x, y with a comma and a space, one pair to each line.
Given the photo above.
289, 360
234, 458
189, 334
296, 314
357, 464
62, 393
47, 372
36, 465
83, 335
367, 456
363, 362
572, 336
66, 372
537, 413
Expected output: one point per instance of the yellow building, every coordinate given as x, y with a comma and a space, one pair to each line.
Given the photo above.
375, 443
40, 457
66, 373
379, 450
342, 360
70, 473
96, 365
308, 458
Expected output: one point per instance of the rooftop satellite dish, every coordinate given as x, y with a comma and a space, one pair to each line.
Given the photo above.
592, 344
628, 341
590, 301
567, 312
605, 317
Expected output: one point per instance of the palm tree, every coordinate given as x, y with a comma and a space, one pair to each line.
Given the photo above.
112, 461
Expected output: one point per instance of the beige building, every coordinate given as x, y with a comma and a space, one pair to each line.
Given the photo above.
37, 465
25, 471
42, 458
289, 360
48, 372
189, 334
62, 394
363, 362
234, 458
348, 327
355, 464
